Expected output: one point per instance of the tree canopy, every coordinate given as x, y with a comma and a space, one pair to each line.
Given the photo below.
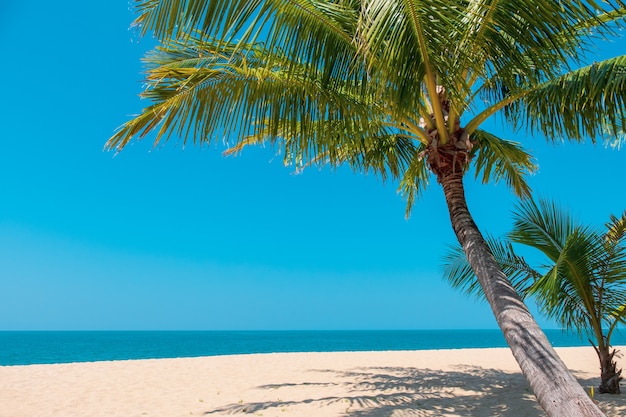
371, 83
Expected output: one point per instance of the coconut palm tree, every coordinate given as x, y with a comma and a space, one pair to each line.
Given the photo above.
585, 286
396, 87
582, 285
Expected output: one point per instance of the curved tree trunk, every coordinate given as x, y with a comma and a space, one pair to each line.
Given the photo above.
556, 389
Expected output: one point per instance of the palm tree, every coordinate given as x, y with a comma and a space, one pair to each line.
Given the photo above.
399, 88
582, 285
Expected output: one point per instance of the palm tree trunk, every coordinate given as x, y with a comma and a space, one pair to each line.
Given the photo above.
557, 391
610, 376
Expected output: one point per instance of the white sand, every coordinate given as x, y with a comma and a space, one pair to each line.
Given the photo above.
467, 382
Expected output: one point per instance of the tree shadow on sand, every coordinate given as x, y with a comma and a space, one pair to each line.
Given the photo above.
392, 391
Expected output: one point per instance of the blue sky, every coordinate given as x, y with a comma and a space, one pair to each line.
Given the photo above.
174, 238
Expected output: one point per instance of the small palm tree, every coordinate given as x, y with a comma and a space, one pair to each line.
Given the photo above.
582, 285
400, 88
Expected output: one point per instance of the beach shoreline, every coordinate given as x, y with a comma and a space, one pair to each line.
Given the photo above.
445, 382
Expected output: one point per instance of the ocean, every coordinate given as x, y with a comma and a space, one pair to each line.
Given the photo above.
45, 347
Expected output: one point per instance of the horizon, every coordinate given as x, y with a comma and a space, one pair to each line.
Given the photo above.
491, 329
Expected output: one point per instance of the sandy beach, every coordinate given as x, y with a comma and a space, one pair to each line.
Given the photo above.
465, 382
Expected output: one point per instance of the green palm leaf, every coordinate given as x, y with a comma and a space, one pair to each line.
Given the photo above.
616, 229
584, 103
543, 226
498, 159
567, 292
199, 88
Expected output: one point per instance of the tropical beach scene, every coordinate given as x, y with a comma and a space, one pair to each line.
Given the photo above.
351, 208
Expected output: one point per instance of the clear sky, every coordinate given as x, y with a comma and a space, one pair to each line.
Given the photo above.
174, 238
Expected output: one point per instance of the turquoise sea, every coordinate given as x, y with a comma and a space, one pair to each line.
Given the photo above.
39, 347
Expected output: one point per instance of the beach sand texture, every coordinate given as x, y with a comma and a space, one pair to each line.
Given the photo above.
461, 382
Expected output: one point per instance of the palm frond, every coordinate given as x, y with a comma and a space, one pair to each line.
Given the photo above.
414, 180
498, 159
616, 228
569, 291
319, 33
228, 19
543, 226
617, 317
586, 102
606, 22
198, 89
611, 268
175, 19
